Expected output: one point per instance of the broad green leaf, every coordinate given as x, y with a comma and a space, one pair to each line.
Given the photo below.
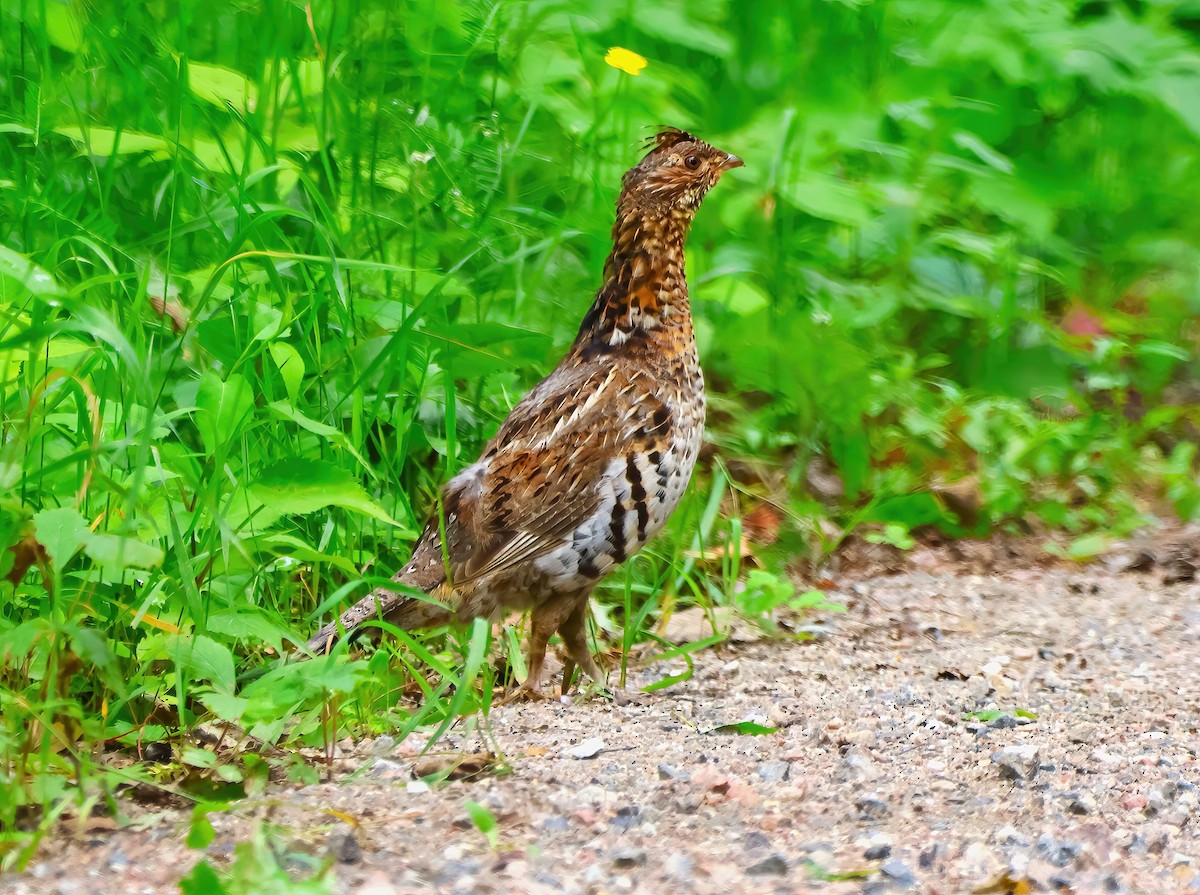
267, 321
335, 436
288, 412
14, 266
249, 626
90, 646
826, 197
61, 531
63, 26
283, 545
1181, 93
684, 28
1159, 348
738, 294
105, 141
1089, 545
291, 368
227, 708
222, 409
751, 728
198, 757
200, 835
219, 86
115, 551
201, 658
984, 152
304, 486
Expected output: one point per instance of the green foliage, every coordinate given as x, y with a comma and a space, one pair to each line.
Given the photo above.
255, 870
765, 592
265, 281
485, 822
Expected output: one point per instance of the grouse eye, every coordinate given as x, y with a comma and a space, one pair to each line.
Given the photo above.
692, 162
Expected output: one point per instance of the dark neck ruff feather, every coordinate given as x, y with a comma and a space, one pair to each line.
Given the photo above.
645, 290
644, 299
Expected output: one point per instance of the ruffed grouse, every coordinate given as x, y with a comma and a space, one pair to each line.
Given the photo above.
587, 468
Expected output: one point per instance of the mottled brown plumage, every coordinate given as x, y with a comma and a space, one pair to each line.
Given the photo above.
589, 465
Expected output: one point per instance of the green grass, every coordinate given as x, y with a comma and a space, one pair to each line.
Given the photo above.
266, 282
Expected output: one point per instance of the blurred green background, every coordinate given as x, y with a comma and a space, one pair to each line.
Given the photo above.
270, 272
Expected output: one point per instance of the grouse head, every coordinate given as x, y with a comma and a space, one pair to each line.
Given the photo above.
676, 173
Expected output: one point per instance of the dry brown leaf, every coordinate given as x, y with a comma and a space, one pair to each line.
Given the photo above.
456, 765
761, 524
172, 310
693, 624
27, 551
1003, 884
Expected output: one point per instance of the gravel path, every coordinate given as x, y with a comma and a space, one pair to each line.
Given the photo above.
953, 733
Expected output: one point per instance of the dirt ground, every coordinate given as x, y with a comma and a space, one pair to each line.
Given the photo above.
957, 730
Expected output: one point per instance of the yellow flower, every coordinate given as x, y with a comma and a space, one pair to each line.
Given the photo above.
626, 60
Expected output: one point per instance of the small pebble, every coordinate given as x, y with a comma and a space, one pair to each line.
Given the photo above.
383, 745
376, 884
774, 771
1106, 758
627, 817
679, 867
898, 872
345, 848
386, 769
1017, 762
773, 865
871, 808
878, 852
756, 839
669, 772
1082, 804
628, 857
1060, 854
589, 748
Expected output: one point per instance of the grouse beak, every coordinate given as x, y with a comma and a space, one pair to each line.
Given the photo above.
731, 162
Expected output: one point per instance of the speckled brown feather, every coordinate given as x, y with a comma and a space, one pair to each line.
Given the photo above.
589, 465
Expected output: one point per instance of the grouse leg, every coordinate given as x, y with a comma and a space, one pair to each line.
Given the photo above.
543, 623
574, 635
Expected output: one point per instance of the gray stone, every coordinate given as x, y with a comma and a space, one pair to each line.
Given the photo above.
1082, 804
383, 745
669, 772
1060, 854
345, 848
774, 771
386, 769
628, 857
627, 817
679, 867
756, 839
1017, 762
589, 748
898, 872
871, 808
772, 865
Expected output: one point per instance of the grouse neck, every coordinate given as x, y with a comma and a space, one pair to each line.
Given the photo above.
644, 296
